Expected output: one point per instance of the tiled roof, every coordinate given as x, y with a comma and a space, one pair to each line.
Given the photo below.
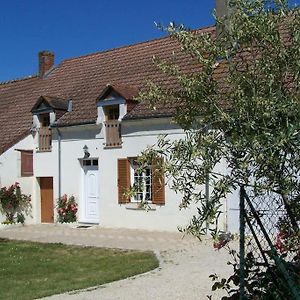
82, 79
16, 100
54, 102
125, 91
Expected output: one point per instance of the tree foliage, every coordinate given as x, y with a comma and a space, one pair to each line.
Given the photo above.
240, 109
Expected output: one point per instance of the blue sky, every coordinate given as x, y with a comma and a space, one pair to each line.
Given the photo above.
72, 28
76, 27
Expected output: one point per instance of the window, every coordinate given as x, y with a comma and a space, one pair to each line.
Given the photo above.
87, 163
45, 136
45, 120
142, 181
112, 127
150, 185
112, 112
26, 163
90, 162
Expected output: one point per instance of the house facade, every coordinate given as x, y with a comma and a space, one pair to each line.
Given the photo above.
77, 129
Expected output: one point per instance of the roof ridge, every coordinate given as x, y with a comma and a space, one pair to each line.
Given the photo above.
132, 45
18, 79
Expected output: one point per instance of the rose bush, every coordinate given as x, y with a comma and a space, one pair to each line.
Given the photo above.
13, 204
67, 209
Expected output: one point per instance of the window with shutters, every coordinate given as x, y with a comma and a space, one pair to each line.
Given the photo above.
45, 136
112, 127
26, 163
142, 181
149, 184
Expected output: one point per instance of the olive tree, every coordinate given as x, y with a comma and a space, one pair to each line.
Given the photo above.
240, 108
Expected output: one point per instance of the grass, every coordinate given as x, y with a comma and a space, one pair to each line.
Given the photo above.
31, 270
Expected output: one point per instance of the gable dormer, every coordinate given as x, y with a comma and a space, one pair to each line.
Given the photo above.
113, 104
50, 104
46, 111
114, 99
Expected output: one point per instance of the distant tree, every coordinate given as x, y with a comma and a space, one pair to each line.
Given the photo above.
241, 108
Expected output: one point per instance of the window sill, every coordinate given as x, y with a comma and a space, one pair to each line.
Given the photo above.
136, 206
43, 151
113, 147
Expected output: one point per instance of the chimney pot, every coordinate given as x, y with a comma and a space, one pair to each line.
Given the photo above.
46, 62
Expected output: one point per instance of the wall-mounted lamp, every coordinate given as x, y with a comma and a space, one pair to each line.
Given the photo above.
86, 152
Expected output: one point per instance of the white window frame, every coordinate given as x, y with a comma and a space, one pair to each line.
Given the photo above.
146, 178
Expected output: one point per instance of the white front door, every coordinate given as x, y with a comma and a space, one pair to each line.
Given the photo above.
91, 195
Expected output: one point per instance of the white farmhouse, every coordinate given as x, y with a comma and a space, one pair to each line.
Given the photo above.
77, 129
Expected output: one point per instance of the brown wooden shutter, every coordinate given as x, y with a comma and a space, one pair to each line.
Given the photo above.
26, 163
123, 179
158, 183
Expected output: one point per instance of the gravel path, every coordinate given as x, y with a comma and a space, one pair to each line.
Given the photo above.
185, 264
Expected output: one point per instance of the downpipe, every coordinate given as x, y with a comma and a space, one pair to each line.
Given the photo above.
59, 162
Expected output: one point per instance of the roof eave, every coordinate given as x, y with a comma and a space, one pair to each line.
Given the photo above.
89, 122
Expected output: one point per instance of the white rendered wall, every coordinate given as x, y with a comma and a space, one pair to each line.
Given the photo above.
10, 172
73, 139
229, 218
136, 136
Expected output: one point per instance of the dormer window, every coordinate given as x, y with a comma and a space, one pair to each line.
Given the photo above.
113, 104
44, 120
112, 126
45, 112
112, 112
45, 136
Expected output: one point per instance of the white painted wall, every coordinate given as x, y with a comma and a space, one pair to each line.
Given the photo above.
73, 141
137, 135
229, 219
10, 172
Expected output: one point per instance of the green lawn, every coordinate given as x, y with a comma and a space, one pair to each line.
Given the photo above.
31, 270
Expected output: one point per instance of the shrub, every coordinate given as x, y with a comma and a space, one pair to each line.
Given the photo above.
66, 209
13, 204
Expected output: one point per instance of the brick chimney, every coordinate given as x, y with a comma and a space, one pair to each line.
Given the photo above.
46, 62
